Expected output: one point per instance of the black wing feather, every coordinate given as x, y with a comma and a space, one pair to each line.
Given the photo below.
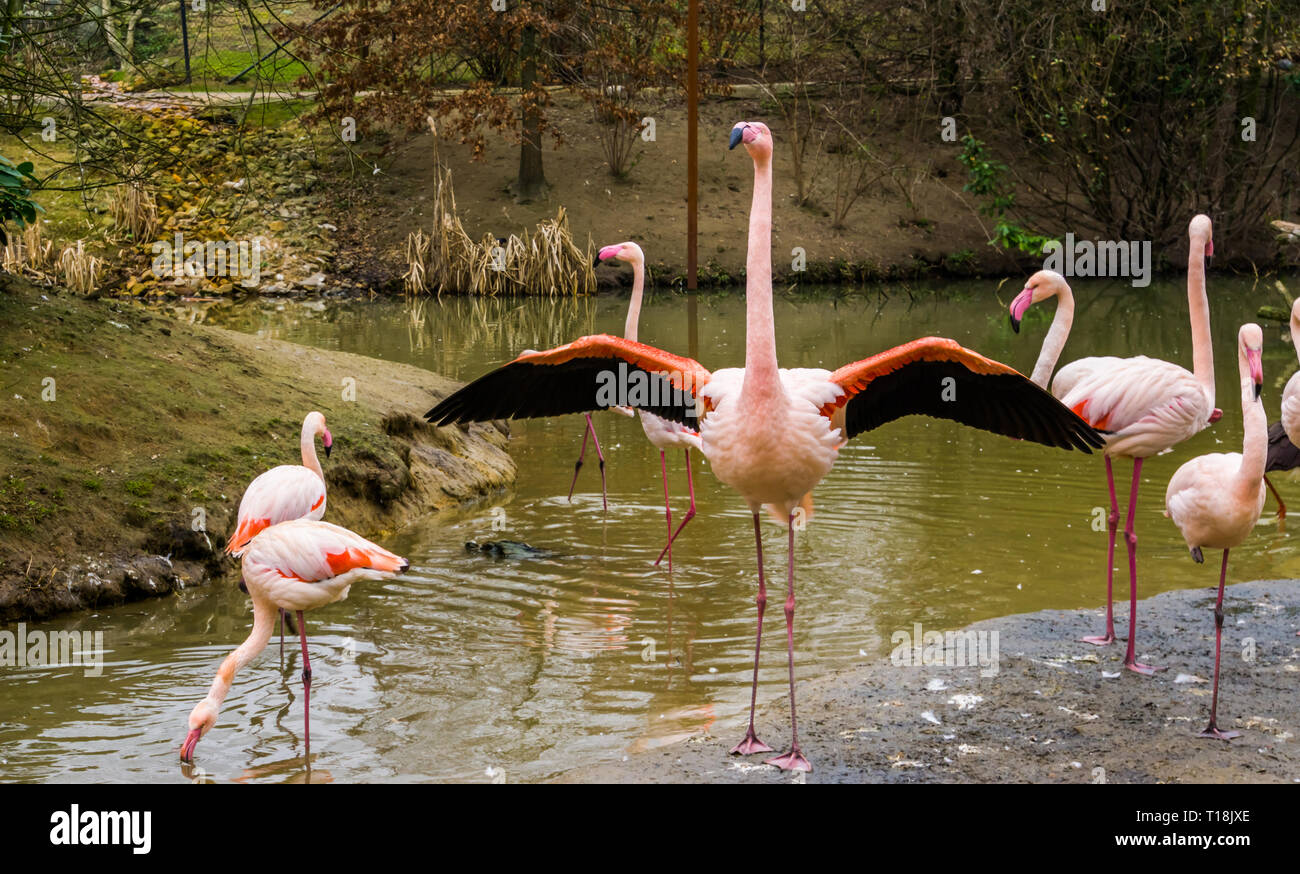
1282, 453
1004, 403
527, 390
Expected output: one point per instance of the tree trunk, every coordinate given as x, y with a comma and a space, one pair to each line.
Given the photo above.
124, 60
531, 182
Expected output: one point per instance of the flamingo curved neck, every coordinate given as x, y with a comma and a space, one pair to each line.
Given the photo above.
264, 614
1054, 342
308, 444
1199, 306
1254, 447
634, 308
761, 376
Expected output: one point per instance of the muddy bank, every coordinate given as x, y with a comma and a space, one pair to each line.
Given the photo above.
1054, 712
127, 439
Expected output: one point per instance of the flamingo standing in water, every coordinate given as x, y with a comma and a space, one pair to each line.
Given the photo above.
294, 566
664, 434
772, 434
1284, 435
283, 493
1215, 500
1142, 406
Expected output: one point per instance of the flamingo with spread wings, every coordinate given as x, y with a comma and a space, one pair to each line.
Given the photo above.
1143, 405
296, 566
771, 434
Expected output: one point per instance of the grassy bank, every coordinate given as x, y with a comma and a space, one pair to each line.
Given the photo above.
127, 440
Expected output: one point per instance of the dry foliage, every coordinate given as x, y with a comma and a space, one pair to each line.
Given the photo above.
446, 259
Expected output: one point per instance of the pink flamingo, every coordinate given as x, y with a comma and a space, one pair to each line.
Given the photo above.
289, 491
1284, 434
1215, 499
285, 492
664, 434
297, 565
1142, 406
773, 434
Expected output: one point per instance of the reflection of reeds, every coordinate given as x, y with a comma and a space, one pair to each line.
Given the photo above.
80, 268
415, 320
27, 251
447, 259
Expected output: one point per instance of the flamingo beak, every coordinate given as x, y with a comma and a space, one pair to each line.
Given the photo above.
328, 442
1018, 307
1209, 248
605, 253
191, 741
737, 135
1254, 362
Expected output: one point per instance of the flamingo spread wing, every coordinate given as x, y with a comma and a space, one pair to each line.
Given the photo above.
282, 493
576, 378
937, 377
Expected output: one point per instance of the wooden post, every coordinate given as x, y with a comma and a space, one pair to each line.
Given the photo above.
692, 140
185, 39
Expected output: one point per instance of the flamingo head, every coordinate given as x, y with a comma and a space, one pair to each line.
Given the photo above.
755, 136
202, 718
315, 424
1201, 228
1250, 342
629, 252
1039, 287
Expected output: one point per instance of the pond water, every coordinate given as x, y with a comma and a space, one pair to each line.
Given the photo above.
469, 666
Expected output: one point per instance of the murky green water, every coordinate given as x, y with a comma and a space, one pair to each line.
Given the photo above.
530, 667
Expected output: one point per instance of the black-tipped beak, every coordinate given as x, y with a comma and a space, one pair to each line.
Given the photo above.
1258, 388
596, 262
1015, 324
328, 447
736, 134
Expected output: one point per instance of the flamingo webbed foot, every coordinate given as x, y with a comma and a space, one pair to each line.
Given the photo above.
750, 745
1144, 670
1213, 731
1099, 639
791, 761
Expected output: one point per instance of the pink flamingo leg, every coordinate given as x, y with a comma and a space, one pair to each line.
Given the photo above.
1281, 505
1112, 523
1130, 658
751, 744
577, 465
306, 689
793, 760
690, 513
1212, 730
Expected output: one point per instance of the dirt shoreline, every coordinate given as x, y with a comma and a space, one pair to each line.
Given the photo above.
127, 439
1049, 715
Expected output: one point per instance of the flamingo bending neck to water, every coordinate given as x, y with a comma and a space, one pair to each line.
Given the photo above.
1215, 500
664, 434
296, 566
769, 433
1142, 406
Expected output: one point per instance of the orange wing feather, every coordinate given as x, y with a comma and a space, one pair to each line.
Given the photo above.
568, 379
683, 373
855, 377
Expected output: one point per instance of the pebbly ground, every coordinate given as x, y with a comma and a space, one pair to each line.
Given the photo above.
1057, 711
